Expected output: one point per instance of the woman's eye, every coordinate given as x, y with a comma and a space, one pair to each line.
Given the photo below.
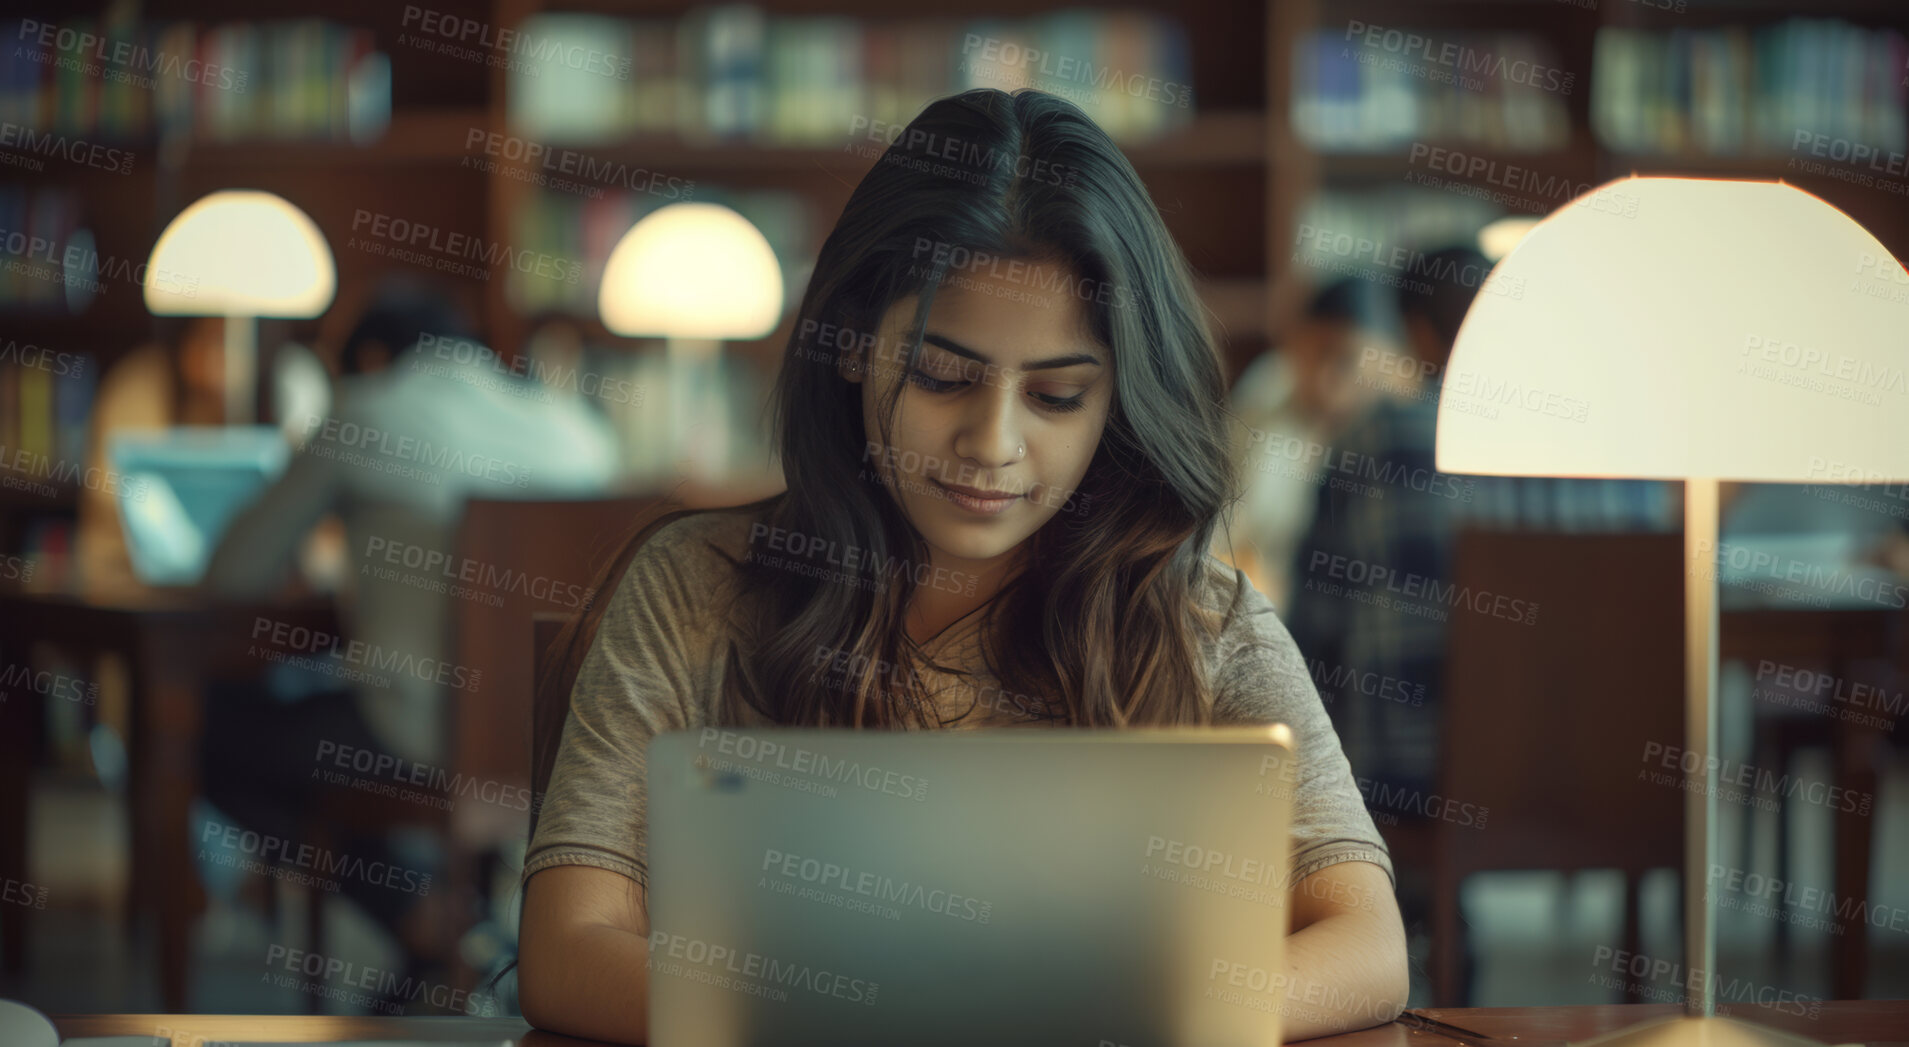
940, 384
931, 383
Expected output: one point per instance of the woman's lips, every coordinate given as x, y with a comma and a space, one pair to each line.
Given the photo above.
985, 504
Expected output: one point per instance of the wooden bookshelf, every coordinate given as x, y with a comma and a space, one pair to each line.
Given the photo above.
1215, 165
1238, 165
1212, 140
422, 136
1301, 170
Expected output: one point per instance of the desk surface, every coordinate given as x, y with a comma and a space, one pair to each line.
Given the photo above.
1879, 1023
200, 1030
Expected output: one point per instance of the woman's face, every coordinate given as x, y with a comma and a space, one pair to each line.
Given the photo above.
1010, 395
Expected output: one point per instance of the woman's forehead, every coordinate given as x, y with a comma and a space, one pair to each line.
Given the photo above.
1003, 319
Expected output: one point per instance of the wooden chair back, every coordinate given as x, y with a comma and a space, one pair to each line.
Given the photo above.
535, 557
548, 711
1564, 671
1549, 707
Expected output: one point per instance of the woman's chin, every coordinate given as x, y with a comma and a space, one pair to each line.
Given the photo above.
951, 544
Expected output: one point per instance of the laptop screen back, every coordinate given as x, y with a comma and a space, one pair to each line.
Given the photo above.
963, 887
180, 489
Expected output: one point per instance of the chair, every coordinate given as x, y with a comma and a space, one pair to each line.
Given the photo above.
560, 547
547, 714
532, 557
1545, 723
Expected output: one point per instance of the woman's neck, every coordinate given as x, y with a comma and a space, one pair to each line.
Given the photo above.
945, 596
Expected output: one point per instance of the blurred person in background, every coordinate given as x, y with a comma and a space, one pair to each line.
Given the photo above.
178, 380
426, 417
1297, 397
1405, 522
555, 355
1408, 526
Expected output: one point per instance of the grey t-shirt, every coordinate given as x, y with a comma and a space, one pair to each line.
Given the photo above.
656, 664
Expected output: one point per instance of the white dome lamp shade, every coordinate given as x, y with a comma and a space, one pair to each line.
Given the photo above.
695, 272
695, 275
241, 254
1705, 330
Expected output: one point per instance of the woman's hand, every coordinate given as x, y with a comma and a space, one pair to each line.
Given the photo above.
583, 954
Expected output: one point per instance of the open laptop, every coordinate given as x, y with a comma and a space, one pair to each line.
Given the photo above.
1064, 887
181, 487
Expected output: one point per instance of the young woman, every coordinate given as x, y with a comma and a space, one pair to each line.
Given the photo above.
1001, 420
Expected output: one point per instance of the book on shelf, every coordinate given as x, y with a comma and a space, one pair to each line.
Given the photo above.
46, 398
38, 276
122, 79
1396, 226
1776, 89
1502, 91
736, 72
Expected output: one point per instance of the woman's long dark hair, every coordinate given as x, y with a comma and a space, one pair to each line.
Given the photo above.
1105, 613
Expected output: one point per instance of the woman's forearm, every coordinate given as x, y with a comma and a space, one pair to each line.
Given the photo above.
595, 986
583, 957
1344, 972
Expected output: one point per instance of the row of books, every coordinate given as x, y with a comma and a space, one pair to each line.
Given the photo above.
48, 261
1359, 91
46, 397
1734, 89
121, 79
735, 71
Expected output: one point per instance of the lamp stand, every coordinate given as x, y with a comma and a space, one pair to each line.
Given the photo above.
241, 370
698, 410
1700, 1025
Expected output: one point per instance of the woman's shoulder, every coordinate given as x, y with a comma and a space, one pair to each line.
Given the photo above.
1243, 615
698, 552
705, 533
1259, 673
678, 590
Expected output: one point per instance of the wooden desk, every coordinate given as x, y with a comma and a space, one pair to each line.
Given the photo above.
1879, 1023
200, 1030
174, 643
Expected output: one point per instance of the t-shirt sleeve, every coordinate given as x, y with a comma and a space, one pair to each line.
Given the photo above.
634, 683
1262, 678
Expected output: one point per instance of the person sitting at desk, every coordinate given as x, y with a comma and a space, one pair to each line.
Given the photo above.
1294, 398
451, 426
1003, 395
176, 381
1392, 510
1407, 526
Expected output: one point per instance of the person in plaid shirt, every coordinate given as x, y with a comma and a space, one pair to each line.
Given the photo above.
1382, 506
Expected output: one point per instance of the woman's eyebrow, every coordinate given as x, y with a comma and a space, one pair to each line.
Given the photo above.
958, 349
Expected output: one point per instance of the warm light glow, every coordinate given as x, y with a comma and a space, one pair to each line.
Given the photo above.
1666, 328
240, 252
692, 271
1499, 238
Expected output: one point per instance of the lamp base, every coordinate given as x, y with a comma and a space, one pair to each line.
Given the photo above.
1690, 1031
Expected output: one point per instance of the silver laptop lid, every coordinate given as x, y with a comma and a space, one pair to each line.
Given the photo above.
1052, 887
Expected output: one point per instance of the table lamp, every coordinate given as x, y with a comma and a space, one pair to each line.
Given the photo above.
240, 254
693, 274
1718, 330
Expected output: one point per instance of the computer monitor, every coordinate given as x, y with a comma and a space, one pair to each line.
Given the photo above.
181, 487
